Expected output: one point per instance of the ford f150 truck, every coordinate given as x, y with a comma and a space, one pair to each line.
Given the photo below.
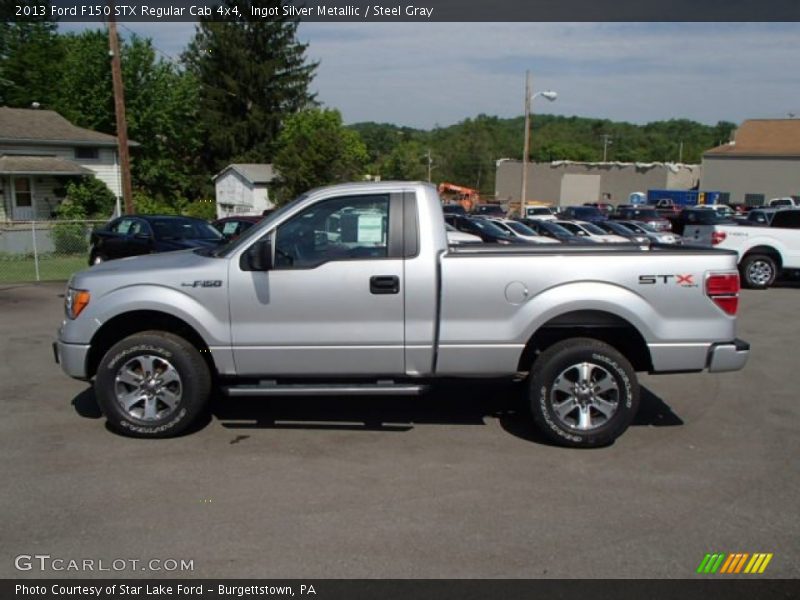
353, 289
763, 250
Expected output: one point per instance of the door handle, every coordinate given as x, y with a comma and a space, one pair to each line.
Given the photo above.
384, 284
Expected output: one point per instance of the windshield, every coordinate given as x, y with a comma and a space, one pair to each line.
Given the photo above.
487, 227
642, 226
520, 228
555, 228
256, 231
183, 229
593, 229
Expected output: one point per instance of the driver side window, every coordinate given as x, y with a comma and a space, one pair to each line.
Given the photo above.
352, 227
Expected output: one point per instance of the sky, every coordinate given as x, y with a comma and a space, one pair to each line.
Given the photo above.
428, 74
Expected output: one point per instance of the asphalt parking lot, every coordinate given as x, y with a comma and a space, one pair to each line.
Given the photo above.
453, 484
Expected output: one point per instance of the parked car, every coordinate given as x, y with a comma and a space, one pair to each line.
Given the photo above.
539, 212
696, 216
620, 228
233, 227
592, 232
453, 209
657, 237
604, 207
582, 213
146, 234
788, 201
520, 230
484, 229
389, 309
757, 216
552, 230
645, 214
455, 237
488, 210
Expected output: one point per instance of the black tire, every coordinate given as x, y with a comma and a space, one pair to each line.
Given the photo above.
170, 357
758, 271
560, 366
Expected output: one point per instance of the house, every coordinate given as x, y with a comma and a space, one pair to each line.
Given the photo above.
241, 189
39, 151
567, 182
761, 162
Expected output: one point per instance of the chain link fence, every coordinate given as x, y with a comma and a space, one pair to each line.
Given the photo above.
43, 250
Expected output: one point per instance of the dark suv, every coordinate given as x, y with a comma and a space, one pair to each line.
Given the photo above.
583, 213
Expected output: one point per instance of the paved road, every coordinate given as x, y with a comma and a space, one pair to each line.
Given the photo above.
454, 484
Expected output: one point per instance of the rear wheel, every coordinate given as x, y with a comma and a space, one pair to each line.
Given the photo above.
152, 384
583, 393
758, 271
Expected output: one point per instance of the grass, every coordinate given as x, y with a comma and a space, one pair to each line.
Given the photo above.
51, 268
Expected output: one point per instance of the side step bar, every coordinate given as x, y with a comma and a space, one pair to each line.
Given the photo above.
271, 388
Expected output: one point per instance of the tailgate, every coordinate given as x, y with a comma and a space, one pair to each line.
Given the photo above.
698, 235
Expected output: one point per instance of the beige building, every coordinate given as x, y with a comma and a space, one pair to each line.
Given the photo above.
762, 162
566, 182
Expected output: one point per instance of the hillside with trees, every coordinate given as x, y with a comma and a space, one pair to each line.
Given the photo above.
465, 153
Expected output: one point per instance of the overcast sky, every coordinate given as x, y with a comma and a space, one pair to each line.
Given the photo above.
428, 74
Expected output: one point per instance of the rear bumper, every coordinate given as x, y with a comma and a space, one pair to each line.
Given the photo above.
72, 358
730, 356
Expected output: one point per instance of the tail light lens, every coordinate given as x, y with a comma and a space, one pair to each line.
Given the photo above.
723, 289
717, 237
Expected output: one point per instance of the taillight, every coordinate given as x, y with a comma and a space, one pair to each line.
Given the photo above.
723, 289
717, 237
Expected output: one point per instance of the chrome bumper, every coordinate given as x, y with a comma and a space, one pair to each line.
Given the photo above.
72, 358
730, 356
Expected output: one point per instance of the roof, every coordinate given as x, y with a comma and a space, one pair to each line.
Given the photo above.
40, 165
252, 172
20, 125
763, 137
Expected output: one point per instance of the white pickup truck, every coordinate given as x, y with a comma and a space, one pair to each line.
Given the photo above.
764, 251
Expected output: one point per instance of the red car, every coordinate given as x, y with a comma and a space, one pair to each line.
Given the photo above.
232, 227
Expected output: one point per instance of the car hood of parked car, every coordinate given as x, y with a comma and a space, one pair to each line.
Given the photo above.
167, 245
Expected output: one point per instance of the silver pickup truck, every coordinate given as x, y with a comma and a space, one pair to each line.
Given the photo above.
353, 289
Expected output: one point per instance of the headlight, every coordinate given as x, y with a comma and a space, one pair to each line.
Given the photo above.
75, 301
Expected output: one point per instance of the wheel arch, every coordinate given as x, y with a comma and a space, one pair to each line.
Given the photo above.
129, 323
770, 251
601, 325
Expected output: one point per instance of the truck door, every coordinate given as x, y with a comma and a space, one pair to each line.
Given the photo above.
333, 301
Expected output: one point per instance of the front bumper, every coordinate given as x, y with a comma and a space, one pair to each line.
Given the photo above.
730, 356
72, 358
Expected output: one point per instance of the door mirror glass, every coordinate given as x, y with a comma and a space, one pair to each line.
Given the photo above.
257, 257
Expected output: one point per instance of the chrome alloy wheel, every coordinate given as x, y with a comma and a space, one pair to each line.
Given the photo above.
585, 396
759, 272
148, 388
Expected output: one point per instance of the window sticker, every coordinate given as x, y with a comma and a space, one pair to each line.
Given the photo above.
229, 228
370, 229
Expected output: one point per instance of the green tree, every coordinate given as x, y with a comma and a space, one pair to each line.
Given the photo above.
253, 75
406, 161
315, 149
30, 67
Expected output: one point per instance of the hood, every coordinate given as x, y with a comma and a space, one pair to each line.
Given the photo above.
183, 244
164, 268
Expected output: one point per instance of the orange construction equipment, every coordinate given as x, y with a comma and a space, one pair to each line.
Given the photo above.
466, 197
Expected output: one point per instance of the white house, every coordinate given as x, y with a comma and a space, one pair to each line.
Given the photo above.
241, 189
38, 150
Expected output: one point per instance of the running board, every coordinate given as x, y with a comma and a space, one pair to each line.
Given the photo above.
271, 388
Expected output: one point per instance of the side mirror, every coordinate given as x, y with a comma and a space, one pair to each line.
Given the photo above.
257, 257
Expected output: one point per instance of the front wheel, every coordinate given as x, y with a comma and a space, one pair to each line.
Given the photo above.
758, 271
583, 393
152, 384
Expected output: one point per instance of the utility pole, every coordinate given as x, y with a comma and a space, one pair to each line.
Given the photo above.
526, 143
606, 141
680, 153
119, 109
430, 163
